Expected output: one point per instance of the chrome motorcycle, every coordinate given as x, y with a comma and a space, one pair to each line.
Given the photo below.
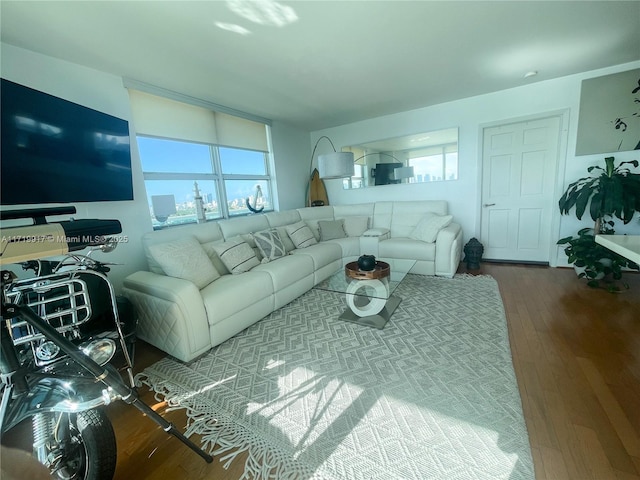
67, 346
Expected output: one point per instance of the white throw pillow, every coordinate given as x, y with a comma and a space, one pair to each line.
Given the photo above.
355, 226
269, 244
248, 237
185, 258
301, 235
237, 255
215, 258
429, 226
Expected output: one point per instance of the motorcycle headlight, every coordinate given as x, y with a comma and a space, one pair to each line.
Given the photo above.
100, 351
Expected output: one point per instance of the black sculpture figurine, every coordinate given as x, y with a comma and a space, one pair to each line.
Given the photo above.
473, 253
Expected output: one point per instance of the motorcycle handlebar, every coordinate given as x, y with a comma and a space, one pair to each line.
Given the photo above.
47, 267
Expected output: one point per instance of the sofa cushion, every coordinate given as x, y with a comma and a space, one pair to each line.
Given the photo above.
331, 229
350, 246
301, 235
269, 244
312, 215
237, 255
233, 293
428, 227
185, 258
356, 225
403, 247
322, 254
287, 270
232, 227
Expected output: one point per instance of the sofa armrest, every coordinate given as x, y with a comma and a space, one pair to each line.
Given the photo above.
171, 314
380, 233
448, 250
371, 238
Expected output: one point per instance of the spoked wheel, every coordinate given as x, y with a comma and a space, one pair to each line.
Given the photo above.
90, 450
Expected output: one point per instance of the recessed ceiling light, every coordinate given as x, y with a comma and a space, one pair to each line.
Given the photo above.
532, 73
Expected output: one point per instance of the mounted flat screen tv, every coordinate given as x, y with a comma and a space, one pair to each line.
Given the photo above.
384, 173
56, 151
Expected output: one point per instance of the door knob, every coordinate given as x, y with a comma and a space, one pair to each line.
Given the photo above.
488, 204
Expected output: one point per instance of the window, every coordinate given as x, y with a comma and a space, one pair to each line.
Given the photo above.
226, 178
434, 163
199, 164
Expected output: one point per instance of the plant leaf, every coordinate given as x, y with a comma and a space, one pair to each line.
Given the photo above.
582, 198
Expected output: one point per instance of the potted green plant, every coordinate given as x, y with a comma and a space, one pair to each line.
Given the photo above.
598, 265
613, 193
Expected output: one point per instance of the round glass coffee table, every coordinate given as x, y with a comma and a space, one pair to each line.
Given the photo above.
369, 294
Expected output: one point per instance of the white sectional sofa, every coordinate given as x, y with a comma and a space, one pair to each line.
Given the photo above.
190, 301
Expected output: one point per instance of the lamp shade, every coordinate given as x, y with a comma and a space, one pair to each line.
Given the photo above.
335, 165
402, 173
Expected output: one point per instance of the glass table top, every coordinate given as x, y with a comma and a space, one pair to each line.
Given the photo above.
339, 282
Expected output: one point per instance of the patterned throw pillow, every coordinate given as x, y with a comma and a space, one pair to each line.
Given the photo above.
429, 226
185, 258
301, 235
270, 244
286, 240
330, 229
236, 255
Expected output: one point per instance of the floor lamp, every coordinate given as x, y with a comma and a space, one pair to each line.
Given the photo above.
330, 165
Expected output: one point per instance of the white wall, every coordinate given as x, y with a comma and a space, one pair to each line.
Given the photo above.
470, 115
291, 151
106, 93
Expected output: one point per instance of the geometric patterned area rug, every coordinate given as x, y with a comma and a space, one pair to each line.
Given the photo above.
431, 396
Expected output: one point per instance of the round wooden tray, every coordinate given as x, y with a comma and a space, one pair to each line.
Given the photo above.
382, 270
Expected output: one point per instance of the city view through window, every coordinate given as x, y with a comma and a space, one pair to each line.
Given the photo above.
226, 179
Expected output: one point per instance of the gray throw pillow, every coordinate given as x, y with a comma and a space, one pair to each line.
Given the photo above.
330, 229
355, 226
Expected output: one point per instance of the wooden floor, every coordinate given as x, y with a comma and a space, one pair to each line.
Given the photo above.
576, 353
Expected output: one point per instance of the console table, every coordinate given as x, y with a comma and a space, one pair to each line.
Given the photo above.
626, 245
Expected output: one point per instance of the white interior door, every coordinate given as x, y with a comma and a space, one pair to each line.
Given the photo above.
518, 176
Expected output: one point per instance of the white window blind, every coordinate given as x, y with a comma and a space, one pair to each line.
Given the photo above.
162, 117
241, 133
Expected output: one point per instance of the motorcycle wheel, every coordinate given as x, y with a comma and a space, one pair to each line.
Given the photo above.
91, 452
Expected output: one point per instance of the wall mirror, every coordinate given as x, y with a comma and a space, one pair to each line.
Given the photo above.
417, 158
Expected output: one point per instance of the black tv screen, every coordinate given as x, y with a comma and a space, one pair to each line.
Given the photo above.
384, 173
56, 151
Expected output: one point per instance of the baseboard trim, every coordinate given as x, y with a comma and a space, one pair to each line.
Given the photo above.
516, 262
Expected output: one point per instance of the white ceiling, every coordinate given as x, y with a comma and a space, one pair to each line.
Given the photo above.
317, 64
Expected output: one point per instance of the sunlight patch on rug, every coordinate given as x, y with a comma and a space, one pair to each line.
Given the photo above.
432, 395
